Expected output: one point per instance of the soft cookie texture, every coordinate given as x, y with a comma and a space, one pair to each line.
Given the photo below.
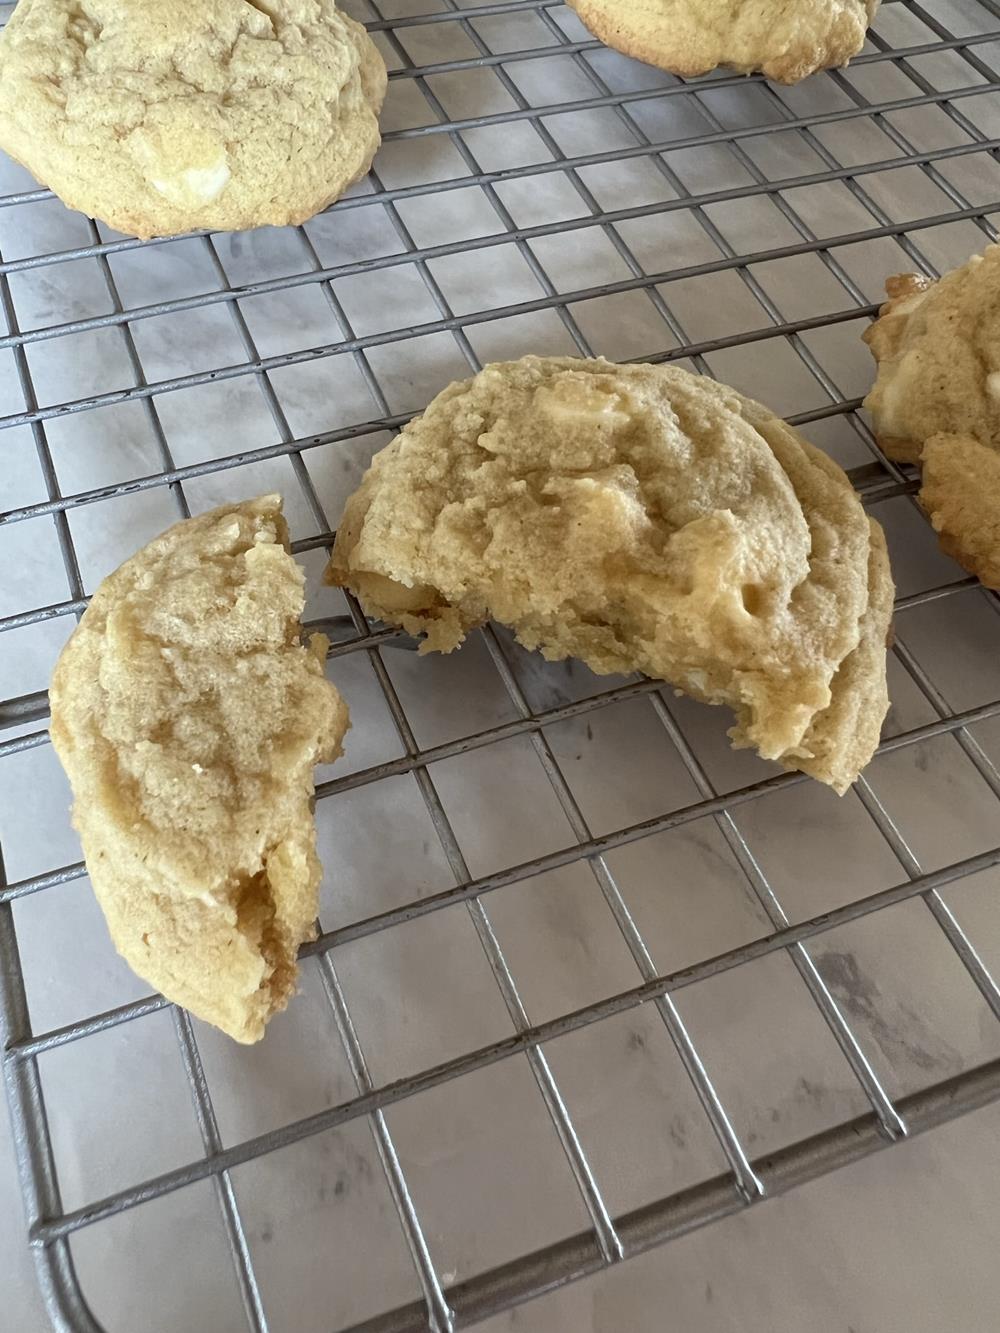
188, 717
163, 116
785, 39
639, 518
936, 401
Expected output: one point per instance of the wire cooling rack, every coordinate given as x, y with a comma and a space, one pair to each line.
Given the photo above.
597, 980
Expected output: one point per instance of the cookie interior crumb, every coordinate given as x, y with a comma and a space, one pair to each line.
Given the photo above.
642, 519
189, 717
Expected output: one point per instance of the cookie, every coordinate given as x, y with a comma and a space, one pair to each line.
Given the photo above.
639, 518
161, 118
188, 717
787, 42
961, 494
936, 400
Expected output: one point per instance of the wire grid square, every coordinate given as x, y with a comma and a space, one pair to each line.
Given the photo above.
309, 1200
126, 1252
776, 1065
70, 964
138, 1063
518, 854
486, 1135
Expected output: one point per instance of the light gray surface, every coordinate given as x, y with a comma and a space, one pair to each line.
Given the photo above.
906, 1237
905, 1243
900, 1244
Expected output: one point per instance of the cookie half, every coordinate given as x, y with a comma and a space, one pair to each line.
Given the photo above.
639, 518
162, 118
787, 42
936, 401
188, 717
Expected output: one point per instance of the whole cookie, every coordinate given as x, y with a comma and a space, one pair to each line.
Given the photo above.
642, 519
936, 400
188, 718
689, 37
162, 117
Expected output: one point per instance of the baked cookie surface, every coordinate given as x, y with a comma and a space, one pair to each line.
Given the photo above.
160, 118
785, 39
639, 518
188, 718
936, 400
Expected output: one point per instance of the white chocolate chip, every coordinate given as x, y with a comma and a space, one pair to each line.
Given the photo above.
197, 185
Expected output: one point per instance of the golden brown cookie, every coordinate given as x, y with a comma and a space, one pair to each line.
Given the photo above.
642, 519
787, 42
161, 118
189, 716
936, 400
961, 493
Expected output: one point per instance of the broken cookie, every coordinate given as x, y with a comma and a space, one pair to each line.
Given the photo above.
189, 717
936, 401
639, 518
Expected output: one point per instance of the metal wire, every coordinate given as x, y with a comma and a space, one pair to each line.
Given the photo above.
609, 1238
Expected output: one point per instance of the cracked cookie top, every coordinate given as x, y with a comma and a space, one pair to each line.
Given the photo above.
785, 39
642, 519
165, 118
936, 400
